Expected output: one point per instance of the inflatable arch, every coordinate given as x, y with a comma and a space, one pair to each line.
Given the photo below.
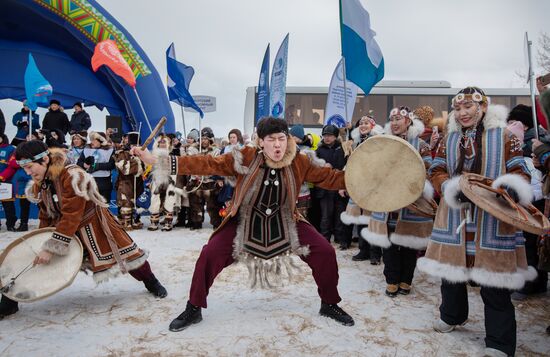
61, 35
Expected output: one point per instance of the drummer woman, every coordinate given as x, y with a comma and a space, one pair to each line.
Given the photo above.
69, 200
402, 233
481, 249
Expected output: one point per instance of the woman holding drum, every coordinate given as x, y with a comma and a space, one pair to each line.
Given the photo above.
468, 244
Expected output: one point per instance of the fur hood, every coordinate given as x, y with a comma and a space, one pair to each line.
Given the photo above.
289, 155
414, 131
494, 118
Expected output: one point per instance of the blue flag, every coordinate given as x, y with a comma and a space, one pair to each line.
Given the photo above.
37, 88
277, 94
262, 105
179, 78
363, 57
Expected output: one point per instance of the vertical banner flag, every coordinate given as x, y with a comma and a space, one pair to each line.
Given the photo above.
278, 82
262, 104
335, 112
107, 53
37, 88
364, 60
179, 78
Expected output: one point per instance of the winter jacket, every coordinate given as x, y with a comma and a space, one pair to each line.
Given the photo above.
21, 121
56, 120
80, 121
73, 205
6, 155
246, 164
498, 248
333, 155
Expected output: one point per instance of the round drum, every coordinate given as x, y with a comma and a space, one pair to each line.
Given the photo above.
39, 281
500, 205
385, 173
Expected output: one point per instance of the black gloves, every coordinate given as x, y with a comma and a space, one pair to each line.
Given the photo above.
89, 160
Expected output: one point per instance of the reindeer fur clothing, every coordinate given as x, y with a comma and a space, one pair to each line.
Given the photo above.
68, 200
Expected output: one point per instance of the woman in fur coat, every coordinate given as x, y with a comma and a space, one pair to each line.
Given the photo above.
403, 232
487, 251
68, 199
354, 215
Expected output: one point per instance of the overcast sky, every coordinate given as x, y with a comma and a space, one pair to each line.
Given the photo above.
469, 42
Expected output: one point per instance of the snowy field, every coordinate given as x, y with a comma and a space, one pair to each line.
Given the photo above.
119, 318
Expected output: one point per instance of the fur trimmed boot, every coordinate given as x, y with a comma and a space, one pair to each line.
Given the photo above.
127, 221
137, 223
155, 218
167, 224
404, 289
191, 315
391, 290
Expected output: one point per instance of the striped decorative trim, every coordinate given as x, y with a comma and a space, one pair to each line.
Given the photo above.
61, 237
173, 165
85, 18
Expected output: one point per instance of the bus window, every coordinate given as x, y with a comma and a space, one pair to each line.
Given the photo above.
378, 103
439, 103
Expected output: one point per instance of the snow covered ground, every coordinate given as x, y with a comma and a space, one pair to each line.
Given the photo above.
119, 318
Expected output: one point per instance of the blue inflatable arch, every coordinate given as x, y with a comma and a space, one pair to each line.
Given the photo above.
61, 35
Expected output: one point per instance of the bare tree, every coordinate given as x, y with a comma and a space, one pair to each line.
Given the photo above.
543, 52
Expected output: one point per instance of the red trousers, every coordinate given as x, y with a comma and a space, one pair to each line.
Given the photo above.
217, 254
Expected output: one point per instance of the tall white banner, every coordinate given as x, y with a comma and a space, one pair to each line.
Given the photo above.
335, 110
278, 82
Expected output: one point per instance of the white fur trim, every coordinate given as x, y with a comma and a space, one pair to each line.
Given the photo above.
512, 281
379, 240
448, 272
409, 241
428, 191
451, 189
312, 156
29, 194
356, 136
349, 219
114, 271
494, 118
415, 129
85, 186
517, 183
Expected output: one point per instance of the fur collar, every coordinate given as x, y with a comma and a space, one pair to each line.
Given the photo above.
494, 118
356, 135
58, 161
289, 155
414, 131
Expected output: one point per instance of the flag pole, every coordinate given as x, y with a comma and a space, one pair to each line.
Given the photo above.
532, 87
200, 135
30, 123
183, 121
345, 87
143, 110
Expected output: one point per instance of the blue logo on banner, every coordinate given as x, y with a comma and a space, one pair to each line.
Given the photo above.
337, 120
277, 109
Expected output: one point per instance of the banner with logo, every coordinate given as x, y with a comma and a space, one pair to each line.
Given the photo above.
278, 82
335, 112
262, 104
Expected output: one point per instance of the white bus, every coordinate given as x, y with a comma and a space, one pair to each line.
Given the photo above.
306, 105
